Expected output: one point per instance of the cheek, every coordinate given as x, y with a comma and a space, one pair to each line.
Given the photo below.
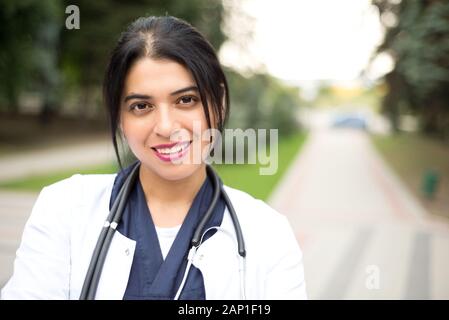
134, 130
194, 122
201, 119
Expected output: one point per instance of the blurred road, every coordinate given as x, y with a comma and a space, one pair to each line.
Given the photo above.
15, 208
362, 233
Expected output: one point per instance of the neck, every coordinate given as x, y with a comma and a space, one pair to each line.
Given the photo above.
169, 192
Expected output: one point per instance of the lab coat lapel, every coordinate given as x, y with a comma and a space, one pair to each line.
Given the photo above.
116, 269
217, 259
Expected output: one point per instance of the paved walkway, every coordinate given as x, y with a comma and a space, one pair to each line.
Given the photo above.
15, 209
97, 151
362, 233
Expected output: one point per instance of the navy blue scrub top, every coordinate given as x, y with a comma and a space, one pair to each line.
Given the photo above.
151, 277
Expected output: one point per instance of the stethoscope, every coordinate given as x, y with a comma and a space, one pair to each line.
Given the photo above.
110, 225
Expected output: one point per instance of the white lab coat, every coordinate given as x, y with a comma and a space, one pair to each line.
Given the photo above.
66, 220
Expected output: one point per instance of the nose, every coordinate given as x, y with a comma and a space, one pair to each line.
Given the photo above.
165, 122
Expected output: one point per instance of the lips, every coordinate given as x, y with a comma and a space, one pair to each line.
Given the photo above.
171, 151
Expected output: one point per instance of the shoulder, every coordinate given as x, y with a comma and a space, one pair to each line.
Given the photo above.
76, 197
79, 188
82, 180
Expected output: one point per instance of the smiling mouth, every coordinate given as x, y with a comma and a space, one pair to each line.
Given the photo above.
172, 149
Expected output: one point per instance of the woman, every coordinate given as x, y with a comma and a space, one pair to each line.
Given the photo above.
163, 82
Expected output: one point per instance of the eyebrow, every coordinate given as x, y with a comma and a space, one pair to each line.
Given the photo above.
144, 96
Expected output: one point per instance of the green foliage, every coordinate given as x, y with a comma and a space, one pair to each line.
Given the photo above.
262, 101
27, 27
422, 47
102, 21
419, 43
39, 53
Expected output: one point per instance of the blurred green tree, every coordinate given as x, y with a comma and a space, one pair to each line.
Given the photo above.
417, 37
262, 102
29, 41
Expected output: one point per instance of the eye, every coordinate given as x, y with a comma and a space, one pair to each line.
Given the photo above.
141, 107
188, 100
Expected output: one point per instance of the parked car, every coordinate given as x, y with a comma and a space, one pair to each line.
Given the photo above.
353, 121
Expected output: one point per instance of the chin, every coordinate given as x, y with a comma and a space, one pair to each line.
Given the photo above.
174, 172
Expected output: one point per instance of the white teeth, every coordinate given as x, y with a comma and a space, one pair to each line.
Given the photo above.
174, 149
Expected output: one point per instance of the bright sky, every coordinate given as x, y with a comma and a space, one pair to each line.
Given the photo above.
305, 40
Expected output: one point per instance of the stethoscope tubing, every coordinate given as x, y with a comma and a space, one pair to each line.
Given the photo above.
104, 241
235, 221
216, 185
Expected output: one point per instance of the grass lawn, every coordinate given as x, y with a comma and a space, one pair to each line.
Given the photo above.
244, 176
36, 183
412, 156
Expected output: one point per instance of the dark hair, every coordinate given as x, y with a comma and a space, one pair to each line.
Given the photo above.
172, 39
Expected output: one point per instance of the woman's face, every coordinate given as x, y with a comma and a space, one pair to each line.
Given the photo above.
162, 118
